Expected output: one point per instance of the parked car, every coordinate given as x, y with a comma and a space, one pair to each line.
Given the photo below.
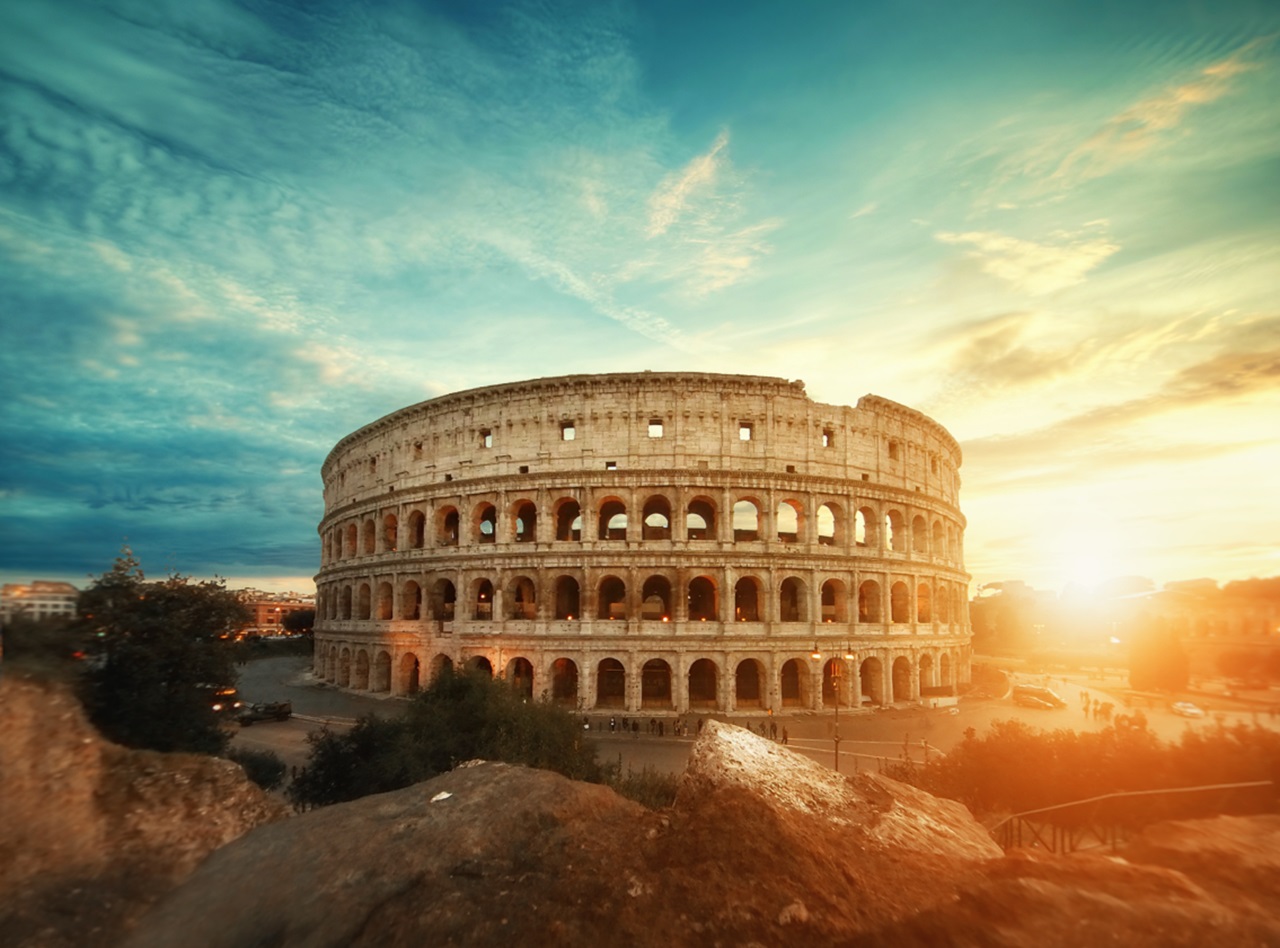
1043, 697
265, 711
1034, 701
1187, 709
222, 698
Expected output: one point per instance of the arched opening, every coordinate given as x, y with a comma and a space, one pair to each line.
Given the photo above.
612, 599
655, 685
611, 684
939, 541
746, 600
521, 598
447, 527
520, 675
483, 601
613, 520
568, 520
748, 685
417, 530
702, 600
871, 675
352, 539
900, 603
790, 515
444, 599
331, 664
409, 674
381, 682
486, 523
567, 598
944, 607
478, 663
390, 530
700, 519
703, 680
368, 537
439, 665
657, 518
827, 523
864, 528
834, 602
411, 601
346, 602
919, 535
901, 679
924, 612
794, 684
344, 669
564, 682
655, 597
525, 520
360, 681
364, 603
944, 673
386, 601
926, 673
791, 601
833, 688
895, 532
746, 521
869, 601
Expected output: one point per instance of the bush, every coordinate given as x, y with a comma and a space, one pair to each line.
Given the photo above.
650, 788
265, 768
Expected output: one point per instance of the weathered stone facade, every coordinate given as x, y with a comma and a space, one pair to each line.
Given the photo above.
648, 542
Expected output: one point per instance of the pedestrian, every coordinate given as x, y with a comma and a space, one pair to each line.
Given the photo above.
700, 723
785, 736
773, 730
662, 728
613, 725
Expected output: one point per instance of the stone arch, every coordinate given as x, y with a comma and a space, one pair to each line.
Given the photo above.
344, 668
747, 599
346, 602
484, 523
834, 689
568, 598
519, 675
899, 603
789, 521
944, 672
390, 533
939, 541
409, 677
444, 600
611, 684
924, 603
368, 537
704, 605
700, 519
746, 520
919, 535
440, 664
612, 520
524, 521
522, 598
926, 672
655, 599
901, 679
793, 601
411, 600
568, 517
656, 518
480, 663
381, 681
564, 682
353, 540
360, 680
386, 601
447, 526
655, 686
364, 602
794, 684
895, 531
944, 606
871, 676
835, 602
704, 680
482, 600
830, 524
331, 664
749, 688
417, 529
865, 528
611, 599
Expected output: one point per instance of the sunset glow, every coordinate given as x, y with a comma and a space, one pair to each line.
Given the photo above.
232, 233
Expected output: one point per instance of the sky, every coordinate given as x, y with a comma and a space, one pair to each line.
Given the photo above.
233, 232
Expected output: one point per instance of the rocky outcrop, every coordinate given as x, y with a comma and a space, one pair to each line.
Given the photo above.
93, 833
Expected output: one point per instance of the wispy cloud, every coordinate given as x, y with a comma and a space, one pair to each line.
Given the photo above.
678, 190
1036, 268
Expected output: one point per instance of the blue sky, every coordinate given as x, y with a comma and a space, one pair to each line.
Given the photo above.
231, 233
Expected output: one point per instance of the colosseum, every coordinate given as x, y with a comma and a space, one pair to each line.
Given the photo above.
656, 542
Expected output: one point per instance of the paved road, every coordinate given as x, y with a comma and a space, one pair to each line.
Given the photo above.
868, 737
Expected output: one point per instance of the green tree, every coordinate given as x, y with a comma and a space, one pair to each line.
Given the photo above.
299, 620
156, 651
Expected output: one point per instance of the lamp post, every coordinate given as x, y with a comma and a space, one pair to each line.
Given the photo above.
837, 673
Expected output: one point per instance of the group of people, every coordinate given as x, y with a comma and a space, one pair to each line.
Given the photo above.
622, 724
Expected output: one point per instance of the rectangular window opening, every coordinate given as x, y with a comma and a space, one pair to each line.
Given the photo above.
828, 438
524, 469
744, 431
486, 438
791, 468
893, 450
610, 465
567, 431
448, 477
655, 427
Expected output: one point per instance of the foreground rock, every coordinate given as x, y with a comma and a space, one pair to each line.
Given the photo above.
92, 833
763, 846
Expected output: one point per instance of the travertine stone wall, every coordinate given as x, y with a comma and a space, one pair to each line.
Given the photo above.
653, 541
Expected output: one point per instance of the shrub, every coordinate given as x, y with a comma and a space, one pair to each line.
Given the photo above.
265, 768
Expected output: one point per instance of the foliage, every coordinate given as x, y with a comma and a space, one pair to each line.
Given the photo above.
46, 648
300, 620
648, 787
1014, 767
155, 652
252, 649
1158, 661
265, 768
460, 717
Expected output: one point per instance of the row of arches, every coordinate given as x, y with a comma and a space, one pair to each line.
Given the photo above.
660, 683
610, 519
656, 599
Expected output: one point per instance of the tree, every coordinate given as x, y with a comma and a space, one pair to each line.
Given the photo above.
299, 620
1158, 661
156, 653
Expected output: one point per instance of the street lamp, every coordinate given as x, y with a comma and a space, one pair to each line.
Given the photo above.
837, 673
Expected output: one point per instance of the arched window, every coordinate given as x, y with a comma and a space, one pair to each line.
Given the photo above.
612, 599
828, 522
483, 601
703, 606
447, 529
834, 608
944, 606
417, 530
564, 682
411, 601
895, 531
369, 536
486, 518
364, 602
444, 600
869, 601
748, 682
385, 601
521, 598
919, 535
352, 540
700, 519
567, 598
703, 684
939, 541
864, 528
655, 685
613, 520
790, 515
924, 599
900, 603
525, 520
568, 520
746, 521
791, 601
657, 518
346, 602
871, 674
746, 600
611, 684
390, 528
656, 599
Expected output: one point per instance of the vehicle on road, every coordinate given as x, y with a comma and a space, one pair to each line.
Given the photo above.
1044, 697
222, 698
1187, 709
265, 711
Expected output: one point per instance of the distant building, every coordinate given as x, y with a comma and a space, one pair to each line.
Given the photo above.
268, 610
42, 599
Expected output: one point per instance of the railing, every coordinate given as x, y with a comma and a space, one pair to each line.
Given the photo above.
1107, 820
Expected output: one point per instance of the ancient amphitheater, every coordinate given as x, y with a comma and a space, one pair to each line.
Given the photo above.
656, 542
